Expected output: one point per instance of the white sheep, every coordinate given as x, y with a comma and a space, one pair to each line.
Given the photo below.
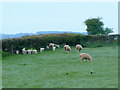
54, 48
24, 51
78, 47
34, 51
17, 52
47, 47
5, 49
29, 51
58, 46
42, 49
67, 48
51, 45
85, 56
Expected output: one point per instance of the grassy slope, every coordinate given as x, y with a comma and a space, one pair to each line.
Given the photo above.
49, 69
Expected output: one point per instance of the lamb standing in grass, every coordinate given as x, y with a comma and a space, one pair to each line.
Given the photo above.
85, 56
67, 48
42, 49
79, 47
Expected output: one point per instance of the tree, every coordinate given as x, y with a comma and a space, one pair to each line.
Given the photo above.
95, 27
107, 31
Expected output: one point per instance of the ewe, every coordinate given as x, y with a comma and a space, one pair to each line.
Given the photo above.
67, 48
79, 47
85, 56
51, 45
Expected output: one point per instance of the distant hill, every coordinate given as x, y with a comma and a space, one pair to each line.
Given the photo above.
6, 36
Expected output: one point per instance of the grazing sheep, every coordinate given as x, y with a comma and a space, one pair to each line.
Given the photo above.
79, 47
51, 45
17, 52
5, 49
47, 47
29, 51
58, 46
24, 51
42, 49
67, 48
85, 56
34, 51
54, 48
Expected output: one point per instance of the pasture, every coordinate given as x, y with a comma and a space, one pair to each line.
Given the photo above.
60, 69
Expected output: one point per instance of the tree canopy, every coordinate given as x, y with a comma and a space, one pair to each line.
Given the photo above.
95, 27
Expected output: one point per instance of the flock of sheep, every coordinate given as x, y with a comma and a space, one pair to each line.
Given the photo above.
53, 47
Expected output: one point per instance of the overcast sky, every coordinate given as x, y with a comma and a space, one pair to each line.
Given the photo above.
27, 17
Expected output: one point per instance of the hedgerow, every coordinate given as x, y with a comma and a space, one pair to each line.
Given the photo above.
38, 41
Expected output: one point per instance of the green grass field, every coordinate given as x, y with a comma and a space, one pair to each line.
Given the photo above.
61, 69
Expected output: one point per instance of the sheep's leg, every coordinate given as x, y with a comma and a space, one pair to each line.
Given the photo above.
81, 59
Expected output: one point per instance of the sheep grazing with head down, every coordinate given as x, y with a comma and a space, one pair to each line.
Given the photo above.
78, 47
42, 49
85, 56
51, 45
67, 48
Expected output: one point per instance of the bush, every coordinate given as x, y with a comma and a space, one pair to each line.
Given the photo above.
4, 54
95, 45
38, 41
